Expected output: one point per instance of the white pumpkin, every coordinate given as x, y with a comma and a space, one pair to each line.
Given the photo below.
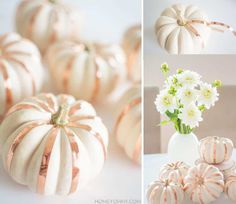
132, 47
128, 123
86, 71
47, 21
175, 34
178, 169
230, 187
53, 144
165, 192
215, 150
204, 183
21, 71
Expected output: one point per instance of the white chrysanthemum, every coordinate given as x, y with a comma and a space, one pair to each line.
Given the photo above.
187, 95
170, 81
189, 78
208, 95
191, 115
165, 102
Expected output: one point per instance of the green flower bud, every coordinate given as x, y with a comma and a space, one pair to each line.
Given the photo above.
165, 68
217, 83
179, 71
202, 108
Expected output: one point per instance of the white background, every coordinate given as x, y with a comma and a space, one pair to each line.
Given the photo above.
217, 10
104, 20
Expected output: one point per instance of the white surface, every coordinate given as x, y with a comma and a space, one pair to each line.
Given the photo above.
217, 10
120, 178
152, 164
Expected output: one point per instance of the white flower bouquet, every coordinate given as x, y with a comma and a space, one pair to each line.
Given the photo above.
184, 98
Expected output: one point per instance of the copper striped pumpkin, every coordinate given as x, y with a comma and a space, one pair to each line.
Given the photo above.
215, 150
53, 144
230, 187
21, 71
128, 123
204, 183
165, 192
47, 21
132, 46
178, 169
87, 71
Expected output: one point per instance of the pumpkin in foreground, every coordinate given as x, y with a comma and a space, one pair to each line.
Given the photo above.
53, 144
21, 70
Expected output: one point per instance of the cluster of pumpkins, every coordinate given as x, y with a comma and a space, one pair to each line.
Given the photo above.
55, 144
214, 173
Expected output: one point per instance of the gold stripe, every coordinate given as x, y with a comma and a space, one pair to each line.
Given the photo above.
51, 137
74, 108
79, 117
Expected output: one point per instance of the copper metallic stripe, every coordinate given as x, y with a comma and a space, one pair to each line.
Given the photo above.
32, 21
67, 72
51, 102
17, 140
22, 106
7, 85
74, 108
43, 105
175, 196
81, 117
26, 70
211, 193
75, 158
54, 34
226, 152
92, 132
17, 52
97, 80
3, 38
137, 149
51, 137
125, 111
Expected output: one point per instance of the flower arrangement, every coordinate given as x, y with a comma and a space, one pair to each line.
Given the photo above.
184, 98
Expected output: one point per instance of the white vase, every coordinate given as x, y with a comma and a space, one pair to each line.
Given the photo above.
183, 147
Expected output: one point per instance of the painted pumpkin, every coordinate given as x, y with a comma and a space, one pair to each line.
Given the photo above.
132, 47
230, 187
204, 183
179, 169
215, 150
86, 71
21, 71
165, 192
47, 21
176, 35
53, 144
128, 123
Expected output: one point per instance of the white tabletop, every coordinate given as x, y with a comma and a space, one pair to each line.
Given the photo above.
151, 166
120, 180
217, 10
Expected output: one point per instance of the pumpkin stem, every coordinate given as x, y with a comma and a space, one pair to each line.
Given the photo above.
180, 18
61, 116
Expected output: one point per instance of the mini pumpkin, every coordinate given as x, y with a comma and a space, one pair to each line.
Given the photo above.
179, 169
174, 32
128, 123
215, 150
53, 144
230, 187
47, 21
165, 192
204, 183
21, 71
132, 47
87, 71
